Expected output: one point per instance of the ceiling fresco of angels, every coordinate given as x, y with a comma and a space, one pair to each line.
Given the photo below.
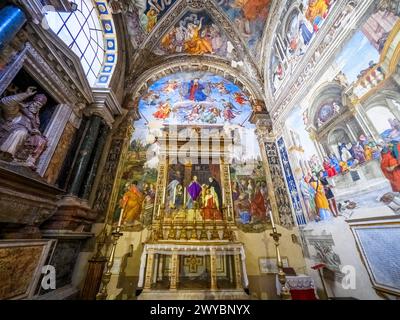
195, 98
196, 35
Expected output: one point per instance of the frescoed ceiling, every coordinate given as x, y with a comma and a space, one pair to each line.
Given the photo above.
231, 30
195, 98
196, 33
247, 16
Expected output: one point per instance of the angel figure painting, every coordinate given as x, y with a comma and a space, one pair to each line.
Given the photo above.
195, 34
249, 17
195, 98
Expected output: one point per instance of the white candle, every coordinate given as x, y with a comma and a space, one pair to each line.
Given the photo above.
272, 219
120, 217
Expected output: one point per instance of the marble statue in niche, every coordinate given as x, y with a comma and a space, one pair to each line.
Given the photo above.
20, 138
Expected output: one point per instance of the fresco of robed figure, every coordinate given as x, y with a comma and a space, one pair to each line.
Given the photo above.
201, 199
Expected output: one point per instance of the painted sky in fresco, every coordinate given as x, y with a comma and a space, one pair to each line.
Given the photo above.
154, 11
199, 98
194, 98
356, 56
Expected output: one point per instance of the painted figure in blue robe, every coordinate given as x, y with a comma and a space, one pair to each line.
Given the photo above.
334, 162
305, 33
245, 217
196, 91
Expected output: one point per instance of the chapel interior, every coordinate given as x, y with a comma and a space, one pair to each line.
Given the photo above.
199, 149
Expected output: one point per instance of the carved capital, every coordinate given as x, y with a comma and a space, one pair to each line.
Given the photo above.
105, 106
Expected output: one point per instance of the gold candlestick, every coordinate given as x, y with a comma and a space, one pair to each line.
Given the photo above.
116, 234
285, 293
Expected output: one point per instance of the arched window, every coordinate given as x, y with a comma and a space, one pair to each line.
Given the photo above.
89, 32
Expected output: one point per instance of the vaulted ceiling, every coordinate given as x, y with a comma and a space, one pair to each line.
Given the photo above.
228, 32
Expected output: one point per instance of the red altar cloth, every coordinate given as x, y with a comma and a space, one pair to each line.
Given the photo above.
308, 294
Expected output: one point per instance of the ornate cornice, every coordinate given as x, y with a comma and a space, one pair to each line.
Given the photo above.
106, 105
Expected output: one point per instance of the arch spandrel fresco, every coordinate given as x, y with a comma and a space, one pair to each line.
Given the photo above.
142, 16
207, 101
300, 25
249, 17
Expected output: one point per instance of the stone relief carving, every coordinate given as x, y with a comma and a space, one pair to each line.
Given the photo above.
323, 252
20, 138
109, 172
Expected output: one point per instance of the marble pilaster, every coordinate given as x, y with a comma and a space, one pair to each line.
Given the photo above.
91, 174
53, 133
85, 153
238, 271
149, 270
213, 269
174, 272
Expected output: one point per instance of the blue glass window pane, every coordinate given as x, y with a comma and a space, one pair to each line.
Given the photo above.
82, 32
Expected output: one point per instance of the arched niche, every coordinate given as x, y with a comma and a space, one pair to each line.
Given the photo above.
322, 111
331, 120
192, 101
335, 137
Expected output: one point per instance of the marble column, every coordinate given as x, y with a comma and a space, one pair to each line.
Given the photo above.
230, 268
85, 154
155, 268
360, 117
91, 174
350, 129
178, 270
12, 20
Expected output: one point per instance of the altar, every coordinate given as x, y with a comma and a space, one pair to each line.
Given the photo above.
193, 271
192, 251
